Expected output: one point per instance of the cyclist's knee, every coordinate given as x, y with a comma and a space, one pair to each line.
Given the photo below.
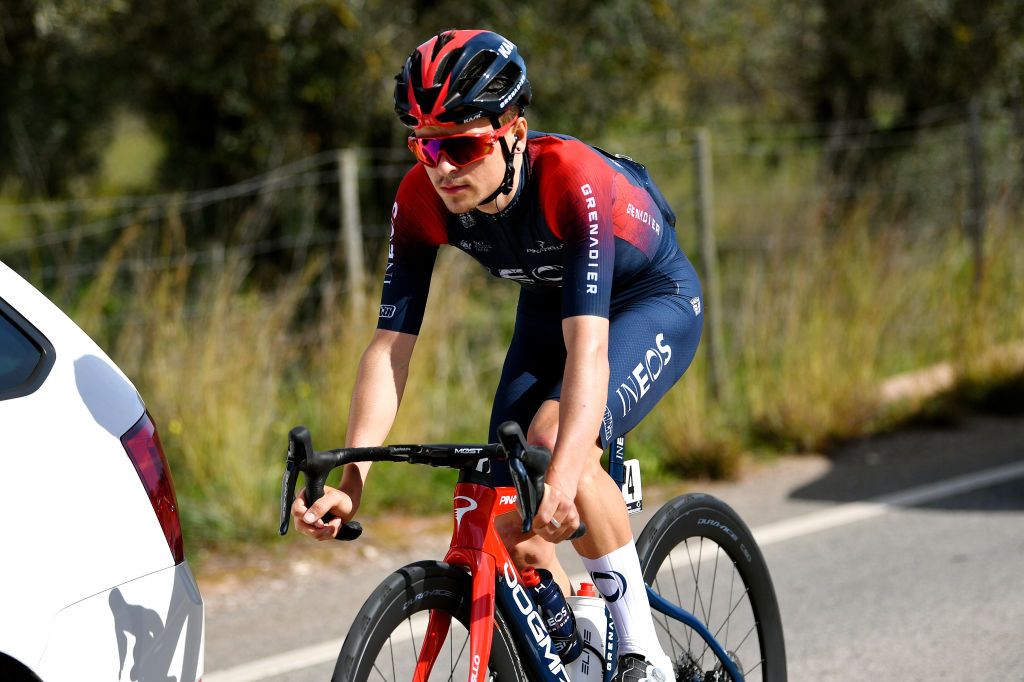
543, 429
593, 474
533, 552
525, 550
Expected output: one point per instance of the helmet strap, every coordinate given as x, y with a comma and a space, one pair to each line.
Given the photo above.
508, 182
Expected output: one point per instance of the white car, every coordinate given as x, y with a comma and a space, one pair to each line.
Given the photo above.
93, 579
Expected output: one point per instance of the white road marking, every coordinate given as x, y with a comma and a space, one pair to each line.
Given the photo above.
860, 511
769, 534
289, 661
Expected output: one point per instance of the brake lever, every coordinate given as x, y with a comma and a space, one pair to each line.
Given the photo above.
292, 465
527, 494
300, 458
291, 475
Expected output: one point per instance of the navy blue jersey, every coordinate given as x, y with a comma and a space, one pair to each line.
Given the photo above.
586, 228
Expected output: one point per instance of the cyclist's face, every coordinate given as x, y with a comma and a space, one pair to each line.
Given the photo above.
463, 188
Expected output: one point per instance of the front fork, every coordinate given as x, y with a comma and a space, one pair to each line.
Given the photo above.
481, 618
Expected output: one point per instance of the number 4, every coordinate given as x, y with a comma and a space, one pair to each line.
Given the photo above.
632, 490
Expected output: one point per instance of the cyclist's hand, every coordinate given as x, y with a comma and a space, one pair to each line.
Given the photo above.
559, 508
309, 521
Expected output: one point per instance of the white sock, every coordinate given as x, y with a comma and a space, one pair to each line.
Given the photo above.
618, 578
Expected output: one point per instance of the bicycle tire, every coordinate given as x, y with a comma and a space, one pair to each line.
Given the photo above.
684, 535
407, 594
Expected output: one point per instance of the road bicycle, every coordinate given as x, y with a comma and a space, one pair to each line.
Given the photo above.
470, 618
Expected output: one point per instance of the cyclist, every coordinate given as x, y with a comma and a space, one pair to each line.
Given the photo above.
609, 315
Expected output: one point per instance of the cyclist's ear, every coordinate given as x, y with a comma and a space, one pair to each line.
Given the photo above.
519, 131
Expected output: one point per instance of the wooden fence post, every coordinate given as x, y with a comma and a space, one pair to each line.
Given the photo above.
713, 319
974, 216
351, 228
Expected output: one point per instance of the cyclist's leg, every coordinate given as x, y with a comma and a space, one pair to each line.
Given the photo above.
608, 551
533, 366
607, 524
651, 344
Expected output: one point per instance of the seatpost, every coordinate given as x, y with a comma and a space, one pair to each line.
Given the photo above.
616, 457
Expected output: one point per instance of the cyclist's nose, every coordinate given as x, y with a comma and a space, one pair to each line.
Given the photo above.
445, 166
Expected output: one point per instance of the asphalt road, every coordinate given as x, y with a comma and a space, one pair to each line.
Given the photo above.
898, 558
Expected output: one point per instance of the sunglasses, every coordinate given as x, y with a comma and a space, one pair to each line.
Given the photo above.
460, 150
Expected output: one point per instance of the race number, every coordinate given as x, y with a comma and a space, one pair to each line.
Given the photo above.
632, 491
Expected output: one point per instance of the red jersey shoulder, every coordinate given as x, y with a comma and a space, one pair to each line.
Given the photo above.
567, 157
419, 214
572, 180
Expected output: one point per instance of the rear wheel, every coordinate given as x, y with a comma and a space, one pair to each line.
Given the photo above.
384, 642
697, 553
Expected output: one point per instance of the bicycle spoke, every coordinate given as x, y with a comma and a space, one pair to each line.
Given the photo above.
696, 580
695, 572
451, 654
463, 648
665, 623
679, 599
752, 629
391, 649
728, 621
400, 653
714, 581
412, 635
728, 616
711, 599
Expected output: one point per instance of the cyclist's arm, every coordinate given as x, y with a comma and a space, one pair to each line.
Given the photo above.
380, 383
578, 200
582, 401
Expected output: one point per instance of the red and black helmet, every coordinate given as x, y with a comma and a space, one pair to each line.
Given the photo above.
458, 76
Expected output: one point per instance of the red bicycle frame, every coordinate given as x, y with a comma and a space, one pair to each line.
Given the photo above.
476, 546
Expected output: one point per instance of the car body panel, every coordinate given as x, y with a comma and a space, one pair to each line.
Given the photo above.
77, 520
146, 629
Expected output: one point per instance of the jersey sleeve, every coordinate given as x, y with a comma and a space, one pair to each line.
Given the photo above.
577, 199
417, 229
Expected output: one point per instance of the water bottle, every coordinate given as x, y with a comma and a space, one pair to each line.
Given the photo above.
596, 638
555, 611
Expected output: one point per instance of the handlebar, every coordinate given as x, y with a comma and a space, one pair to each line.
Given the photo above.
528, 463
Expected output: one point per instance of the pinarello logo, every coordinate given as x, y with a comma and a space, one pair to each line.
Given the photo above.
462, 511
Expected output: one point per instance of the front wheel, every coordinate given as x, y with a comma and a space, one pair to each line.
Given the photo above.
384, 642
697, 553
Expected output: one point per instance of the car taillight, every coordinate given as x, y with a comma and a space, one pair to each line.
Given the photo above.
143, 445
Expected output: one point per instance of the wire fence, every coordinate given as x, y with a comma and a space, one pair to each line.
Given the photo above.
764, 181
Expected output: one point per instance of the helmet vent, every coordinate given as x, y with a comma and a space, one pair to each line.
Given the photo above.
443, 38
444, 69
426, 97
501, 84
474, 70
